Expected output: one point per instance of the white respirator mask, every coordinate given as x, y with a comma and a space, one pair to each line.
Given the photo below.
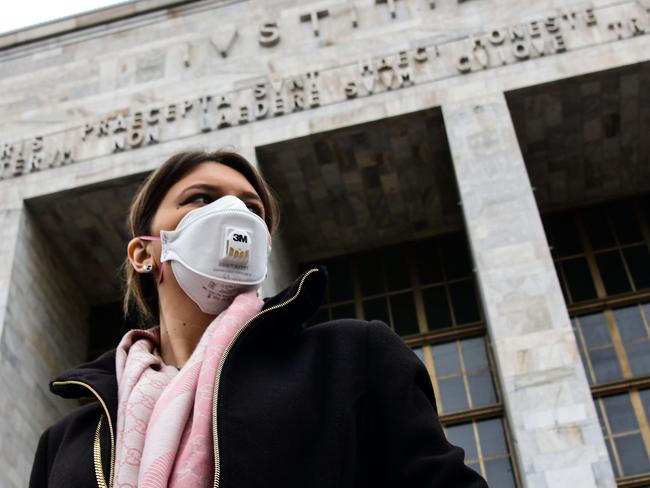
216, 252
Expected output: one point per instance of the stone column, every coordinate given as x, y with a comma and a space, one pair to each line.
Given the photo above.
557, 437
43, 331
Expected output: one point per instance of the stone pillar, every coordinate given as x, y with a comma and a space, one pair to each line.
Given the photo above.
43, 331
552, 416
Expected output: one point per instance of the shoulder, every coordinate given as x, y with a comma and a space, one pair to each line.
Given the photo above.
72, 422
387, 359
352, 329
60, 440
374, 332
373, 336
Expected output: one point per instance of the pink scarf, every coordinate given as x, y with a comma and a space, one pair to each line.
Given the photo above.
164, 416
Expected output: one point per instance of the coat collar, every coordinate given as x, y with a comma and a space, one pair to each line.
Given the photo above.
295, 305
304, 295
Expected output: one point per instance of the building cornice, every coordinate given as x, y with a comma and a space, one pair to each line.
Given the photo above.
85, 20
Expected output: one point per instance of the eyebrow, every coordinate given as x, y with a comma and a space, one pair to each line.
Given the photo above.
216, 189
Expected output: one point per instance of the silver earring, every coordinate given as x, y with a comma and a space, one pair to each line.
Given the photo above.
148, 267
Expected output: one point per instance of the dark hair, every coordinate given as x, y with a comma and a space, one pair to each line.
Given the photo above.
140, 289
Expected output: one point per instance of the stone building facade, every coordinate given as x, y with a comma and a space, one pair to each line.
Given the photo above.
475, 173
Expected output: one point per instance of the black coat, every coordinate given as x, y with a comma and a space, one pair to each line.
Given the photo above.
340, 404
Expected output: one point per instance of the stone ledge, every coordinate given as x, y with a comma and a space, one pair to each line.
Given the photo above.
89, 19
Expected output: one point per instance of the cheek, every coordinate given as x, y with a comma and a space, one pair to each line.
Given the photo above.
168, 218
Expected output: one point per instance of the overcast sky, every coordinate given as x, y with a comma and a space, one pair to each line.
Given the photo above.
22, 13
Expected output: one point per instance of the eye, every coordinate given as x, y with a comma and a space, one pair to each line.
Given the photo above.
198, 196
256, 209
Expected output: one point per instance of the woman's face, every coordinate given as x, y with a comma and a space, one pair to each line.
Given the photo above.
204, 184
201, 186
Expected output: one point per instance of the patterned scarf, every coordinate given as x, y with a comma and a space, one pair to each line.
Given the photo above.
164, 415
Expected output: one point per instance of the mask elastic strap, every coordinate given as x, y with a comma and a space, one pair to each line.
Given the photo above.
160, 275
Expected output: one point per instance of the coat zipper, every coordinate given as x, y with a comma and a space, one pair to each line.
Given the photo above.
97, 457
215, 435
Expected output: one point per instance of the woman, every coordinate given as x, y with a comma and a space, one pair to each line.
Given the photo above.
229, 390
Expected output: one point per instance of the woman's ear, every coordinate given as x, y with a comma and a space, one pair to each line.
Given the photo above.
139, 254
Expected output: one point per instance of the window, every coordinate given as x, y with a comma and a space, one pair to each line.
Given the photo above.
426, 292
601, 250
486, 450
416, 288
461, 374
621, 417
603, 264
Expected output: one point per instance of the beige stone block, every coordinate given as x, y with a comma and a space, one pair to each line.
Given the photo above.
571, 477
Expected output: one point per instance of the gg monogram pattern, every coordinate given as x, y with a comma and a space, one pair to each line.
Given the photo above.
164, 416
